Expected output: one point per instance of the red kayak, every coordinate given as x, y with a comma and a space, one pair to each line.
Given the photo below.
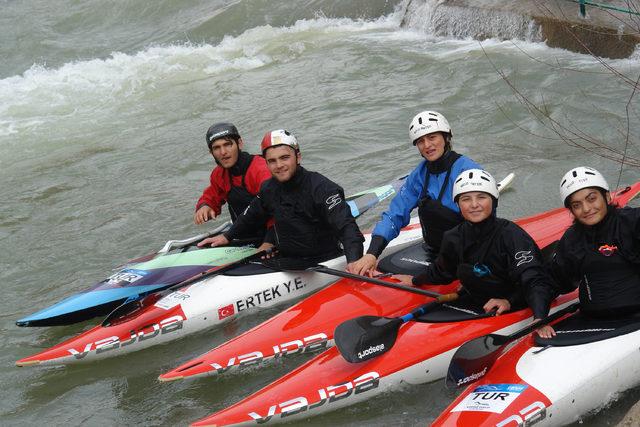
546, 382
327, 382
309, 325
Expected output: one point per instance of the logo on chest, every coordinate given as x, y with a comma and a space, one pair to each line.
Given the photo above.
608, 250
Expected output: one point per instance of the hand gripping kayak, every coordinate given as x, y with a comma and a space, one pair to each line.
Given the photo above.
474, 358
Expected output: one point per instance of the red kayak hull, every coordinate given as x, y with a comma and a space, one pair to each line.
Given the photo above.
421, 353
309, 325
327, 382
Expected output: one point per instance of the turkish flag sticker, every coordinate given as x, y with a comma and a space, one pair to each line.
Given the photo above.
226, 311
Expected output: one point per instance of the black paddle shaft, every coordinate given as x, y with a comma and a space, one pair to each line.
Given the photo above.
334, 272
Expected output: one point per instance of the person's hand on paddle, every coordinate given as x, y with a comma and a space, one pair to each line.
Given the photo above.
204, 214
214, 241
405, 279
269, 248
365, 265
498, 304
351, 268
546, 331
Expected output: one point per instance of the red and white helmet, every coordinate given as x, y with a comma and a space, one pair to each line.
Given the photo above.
579, 178
427, 122
475, 180
279, 137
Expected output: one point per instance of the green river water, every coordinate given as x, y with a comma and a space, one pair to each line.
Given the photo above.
103, 109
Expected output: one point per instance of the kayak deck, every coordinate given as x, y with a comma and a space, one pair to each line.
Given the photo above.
327, 382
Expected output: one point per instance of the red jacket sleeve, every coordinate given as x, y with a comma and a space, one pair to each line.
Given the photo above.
256, 175
214, 195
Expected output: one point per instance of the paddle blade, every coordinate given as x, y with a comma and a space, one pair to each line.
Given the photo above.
473, 359
366, 337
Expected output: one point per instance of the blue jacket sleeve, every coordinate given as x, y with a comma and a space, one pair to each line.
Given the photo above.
399, 213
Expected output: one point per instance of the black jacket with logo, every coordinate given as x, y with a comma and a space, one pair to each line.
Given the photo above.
514, 266
311, 217
603, 261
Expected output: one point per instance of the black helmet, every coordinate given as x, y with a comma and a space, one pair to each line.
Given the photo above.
221, 130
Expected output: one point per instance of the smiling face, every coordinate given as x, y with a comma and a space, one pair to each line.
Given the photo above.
226, 151
475, 206
431, 146
589, 206
282, 162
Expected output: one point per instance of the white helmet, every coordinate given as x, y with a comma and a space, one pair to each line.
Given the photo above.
427, 122
577, 179
279, 137
475, 180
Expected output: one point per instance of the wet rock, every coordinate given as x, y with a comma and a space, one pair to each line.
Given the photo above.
605, 33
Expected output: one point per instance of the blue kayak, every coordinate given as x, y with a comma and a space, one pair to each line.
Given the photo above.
134, 281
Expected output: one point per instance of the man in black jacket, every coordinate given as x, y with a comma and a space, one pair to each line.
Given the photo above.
311, 218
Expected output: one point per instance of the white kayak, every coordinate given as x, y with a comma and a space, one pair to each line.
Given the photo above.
557, 385
206, 304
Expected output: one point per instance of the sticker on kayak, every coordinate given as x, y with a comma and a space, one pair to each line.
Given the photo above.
226, 311
490, 398
173, 299
126, 276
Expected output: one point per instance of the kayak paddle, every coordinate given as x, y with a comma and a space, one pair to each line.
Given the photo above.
137, 302
475, 357
332, 271
366, 337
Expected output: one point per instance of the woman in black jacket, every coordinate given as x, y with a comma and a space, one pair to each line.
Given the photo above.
600, 253
499, 265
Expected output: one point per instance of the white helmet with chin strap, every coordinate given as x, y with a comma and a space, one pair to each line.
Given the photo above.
475, 180
579, 178
427, 122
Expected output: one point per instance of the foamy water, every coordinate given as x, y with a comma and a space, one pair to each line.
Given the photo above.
102, 157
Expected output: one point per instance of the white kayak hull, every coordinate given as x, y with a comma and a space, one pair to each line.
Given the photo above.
204, 305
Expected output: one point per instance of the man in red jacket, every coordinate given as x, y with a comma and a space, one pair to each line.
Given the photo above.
237, 178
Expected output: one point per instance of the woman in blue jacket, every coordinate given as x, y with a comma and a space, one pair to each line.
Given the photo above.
428, 188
